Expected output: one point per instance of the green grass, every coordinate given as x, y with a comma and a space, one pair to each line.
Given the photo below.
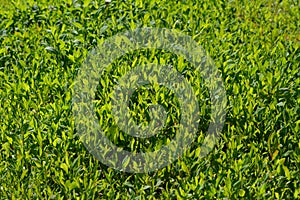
255, 46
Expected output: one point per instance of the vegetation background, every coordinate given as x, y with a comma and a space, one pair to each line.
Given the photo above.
255, 45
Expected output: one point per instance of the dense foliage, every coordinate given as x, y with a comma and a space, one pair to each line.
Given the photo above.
254, 44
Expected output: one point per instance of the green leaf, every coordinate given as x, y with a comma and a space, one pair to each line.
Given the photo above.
287, 172
242, 193
64, 166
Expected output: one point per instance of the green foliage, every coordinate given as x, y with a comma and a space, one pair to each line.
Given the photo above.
255, 44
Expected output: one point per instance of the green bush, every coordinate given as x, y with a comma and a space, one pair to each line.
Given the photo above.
254, 44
